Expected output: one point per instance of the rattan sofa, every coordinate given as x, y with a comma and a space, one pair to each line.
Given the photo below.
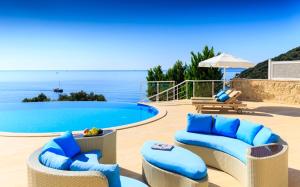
263, 166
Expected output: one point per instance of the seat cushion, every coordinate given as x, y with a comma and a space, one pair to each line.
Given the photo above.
231, 146
265, 136
178, 160
224, 97
225, 126
55, 161
111, 171
199, 123
219, 93
91, 156
247, 131
130, 182
68, 144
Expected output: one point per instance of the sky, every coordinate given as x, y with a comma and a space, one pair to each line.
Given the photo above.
140, 34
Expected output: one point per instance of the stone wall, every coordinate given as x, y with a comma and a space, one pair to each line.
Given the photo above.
279, 91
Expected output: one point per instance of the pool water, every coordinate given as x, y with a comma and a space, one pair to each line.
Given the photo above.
73, 116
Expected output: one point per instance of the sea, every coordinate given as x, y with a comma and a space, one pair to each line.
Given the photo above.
115, 85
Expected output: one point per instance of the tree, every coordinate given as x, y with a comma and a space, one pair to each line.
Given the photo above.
155, 74
176, 72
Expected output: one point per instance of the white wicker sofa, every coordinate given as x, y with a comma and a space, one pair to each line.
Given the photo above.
263, 165
43, 176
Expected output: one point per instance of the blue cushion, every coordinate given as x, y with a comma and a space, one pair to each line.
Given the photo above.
199, 123
224, 97
219, 93
68, 144
265, 136
247, 131
130, 182
225, 126
55, 161
178, 160
91, 156
53, 147
231, 146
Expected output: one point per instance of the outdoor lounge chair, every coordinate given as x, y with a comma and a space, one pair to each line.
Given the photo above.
213, 97
231, 103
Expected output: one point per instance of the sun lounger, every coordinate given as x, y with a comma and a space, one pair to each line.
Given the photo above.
231, 103
213, 97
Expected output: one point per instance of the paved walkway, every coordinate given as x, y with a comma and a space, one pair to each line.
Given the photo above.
283, 119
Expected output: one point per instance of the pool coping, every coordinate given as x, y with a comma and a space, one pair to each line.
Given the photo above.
161, 113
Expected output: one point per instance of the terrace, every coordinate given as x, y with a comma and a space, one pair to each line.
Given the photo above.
282, 118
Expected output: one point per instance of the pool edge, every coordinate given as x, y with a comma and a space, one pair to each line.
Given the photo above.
161, 113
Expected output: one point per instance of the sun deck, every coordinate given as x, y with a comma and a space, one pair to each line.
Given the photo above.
283, 119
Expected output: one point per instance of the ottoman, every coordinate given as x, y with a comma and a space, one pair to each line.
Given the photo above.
175, 168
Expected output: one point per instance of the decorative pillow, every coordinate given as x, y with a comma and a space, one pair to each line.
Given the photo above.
225, 126
55, 161
68, 144
53, 147
265, 136
111, 171
224, 97
199, 123
219, 93
247, 131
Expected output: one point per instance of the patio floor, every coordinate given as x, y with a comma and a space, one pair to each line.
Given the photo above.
283, 119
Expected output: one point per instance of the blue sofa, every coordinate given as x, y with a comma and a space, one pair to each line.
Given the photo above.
62, 163
228, 144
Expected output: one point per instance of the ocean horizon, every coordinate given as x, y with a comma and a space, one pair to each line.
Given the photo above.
115, 85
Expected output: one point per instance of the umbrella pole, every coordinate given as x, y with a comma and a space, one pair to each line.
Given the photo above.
224, 77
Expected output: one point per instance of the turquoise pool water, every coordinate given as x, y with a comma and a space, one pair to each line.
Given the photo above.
73, 116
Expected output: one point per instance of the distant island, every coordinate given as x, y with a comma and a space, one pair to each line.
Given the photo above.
260, 71
74, 96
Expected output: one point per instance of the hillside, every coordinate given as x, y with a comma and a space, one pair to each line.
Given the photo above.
260, 71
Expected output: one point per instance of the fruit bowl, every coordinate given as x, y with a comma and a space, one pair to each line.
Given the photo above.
92, 132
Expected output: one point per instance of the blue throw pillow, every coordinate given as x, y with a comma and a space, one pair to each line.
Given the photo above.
219, 93
225, 126
265, 136
55, 161
91, 156
111, 171
247, 131
224, 97
199, 123
53, 147
68, 144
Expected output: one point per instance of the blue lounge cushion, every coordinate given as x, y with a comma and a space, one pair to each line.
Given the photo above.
68, 144
225, 126
247, 131
111, 171
178, 160
219, 93
199, 123
53, 147
130, 182
55, 161
231, 146
91, 156
265, 136
224, 97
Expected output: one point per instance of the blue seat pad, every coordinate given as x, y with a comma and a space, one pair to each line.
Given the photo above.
231, 146
130, 182
178, 160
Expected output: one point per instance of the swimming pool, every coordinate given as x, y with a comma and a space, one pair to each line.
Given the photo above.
73, 116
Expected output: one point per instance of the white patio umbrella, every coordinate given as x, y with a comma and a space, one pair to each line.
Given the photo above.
225, 61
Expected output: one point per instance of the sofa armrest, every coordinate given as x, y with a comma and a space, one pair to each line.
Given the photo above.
267, 167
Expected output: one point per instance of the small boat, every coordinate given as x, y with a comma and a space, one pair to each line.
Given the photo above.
58, 90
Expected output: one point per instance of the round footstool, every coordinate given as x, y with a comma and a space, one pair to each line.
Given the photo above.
175, 168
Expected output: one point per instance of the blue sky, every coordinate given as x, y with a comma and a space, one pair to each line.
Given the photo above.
132, 34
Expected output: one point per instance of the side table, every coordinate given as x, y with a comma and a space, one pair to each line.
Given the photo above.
106, 142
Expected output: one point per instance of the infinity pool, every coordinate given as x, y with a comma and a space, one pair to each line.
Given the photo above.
62, 116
